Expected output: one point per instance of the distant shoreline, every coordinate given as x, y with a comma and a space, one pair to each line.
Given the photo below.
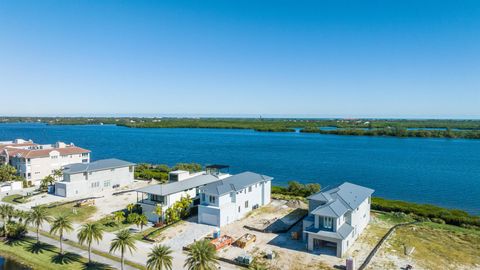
453, 129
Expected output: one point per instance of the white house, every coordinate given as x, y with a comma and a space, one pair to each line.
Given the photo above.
181, 184
34, 161
83, 179
336, 218
227, 200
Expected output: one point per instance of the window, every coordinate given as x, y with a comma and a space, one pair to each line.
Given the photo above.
369, 200
130, 168
327, 222
246, 204
157, 198
203, 197
106, 183
84, 160
95, 184
86, 175
84, 154
239, 209
250, 189
212, 199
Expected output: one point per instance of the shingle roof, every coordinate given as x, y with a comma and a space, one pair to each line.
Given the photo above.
339, 200
98, 165
235, 183
174, 187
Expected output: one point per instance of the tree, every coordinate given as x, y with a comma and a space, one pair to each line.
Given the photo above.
160, 258
37, 217
60, 225
119, 216
141, 221
159, 212
130, 207
201, 256
47, 181
88, 233
8, 173
57, 173
171, 215
124, 240
132, 218
6, 213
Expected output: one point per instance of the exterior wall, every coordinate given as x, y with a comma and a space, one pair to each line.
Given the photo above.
35, 169
80, 184
357, 218
148, 206
235, 205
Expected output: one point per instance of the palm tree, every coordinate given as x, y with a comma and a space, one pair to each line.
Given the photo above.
37, 217
159, 212
57, 173
124, 240
47, 181
130, 207
6, 213
88, 233
201, 256
160, 258
119, 216
60, 225
141, 221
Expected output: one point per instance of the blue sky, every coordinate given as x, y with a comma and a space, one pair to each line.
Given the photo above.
234, 58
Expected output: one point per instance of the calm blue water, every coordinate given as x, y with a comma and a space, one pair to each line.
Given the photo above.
445, 172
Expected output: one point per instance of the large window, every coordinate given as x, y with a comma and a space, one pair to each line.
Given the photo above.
157, 198
246, 204
328, 222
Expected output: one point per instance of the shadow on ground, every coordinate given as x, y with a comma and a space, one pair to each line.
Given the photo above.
97, 266
39, 247
66, 258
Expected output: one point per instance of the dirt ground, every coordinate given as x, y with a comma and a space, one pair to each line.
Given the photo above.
289, 254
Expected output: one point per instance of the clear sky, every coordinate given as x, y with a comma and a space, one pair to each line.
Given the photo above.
386, 58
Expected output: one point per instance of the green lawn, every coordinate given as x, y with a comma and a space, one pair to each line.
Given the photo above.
111, 226
11, 198
44, 256
77, 214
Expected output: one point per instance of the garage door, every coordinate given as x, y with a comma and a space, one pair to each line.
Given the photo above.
209, 219
60, 192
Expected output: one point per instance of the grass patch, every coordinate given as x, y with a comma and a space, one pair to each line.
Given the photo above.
278, 196
95, 251
438, 246
110, 225
77, 214
42, 256
15, 199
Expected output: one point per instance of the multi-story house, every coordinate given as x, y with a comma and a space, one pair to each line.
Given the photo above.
34, 161
336, 218
181, 184
82, 179
230, 199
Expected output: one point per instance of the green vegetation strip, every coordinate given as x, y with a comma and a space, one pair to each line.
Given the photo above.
95, 251
368, 127
42, 256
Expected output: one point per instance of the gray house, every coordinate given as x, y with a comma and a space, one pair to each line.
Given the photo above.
82, 179
336, 218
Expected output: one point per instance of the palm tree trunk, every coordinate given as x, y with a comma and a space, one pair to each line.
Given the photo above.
61, 248
122, 262
38, 238
89, 252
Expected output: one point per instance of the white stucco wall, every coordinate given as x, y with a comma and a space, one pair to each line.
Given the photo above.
80, 185
232, 206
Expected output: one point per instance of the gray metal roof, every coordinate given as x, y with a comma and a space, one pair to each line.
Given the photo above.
339, 200
174, 187
235, 183
332, 209
344, 230
98, 165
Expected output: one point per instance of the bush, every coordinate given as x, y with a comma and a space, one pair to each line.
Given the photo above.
294, 188
426, 211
